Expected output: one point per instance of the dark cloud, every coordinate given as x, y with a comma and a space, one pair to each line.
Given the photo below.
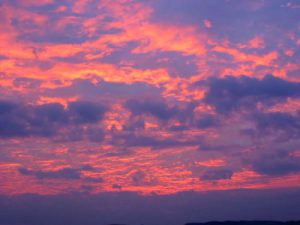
25, 171
67, 173
27, 82
140, 178
163, 112
234, 93
217, 174
87, 168
93, 179
12, 120
48, 113
72, 134
278, 121
133, 140
86, 112
131, 208
219, 145
95, 135
7, 107
154, 108
2, 57
116, 186
87, 188
275, 164
207, 121
280, 126
20, 120
179, 128
133, 125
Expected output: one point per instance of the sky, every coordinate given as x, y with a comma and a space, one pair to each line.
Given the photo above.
149, 111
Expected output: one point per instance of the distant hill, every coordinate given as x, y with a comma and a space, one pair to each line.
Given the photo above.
247, 223
242, 223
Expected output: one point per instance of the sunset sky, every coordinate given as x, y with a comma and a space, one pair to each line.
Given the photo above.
136, 110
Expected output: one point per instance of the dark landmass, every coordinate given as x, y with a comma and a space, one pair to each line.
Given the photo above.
242, 223
247, 223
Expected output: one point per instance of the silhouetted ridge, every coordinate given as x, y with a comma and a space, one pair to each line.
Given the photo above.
247, 223
117, 224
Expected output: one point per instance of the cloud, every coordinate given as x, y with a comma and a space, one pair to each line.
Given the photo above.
207, 121
217, 174
157, 109
281, 126
93, 179
161, 110
86, 112
117, 186
138, 177
275, 164
133, 140
47, 120
2, 57
133, 125
87, 167
27, 82
278, 121
67, 173
7, 107
234, 93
